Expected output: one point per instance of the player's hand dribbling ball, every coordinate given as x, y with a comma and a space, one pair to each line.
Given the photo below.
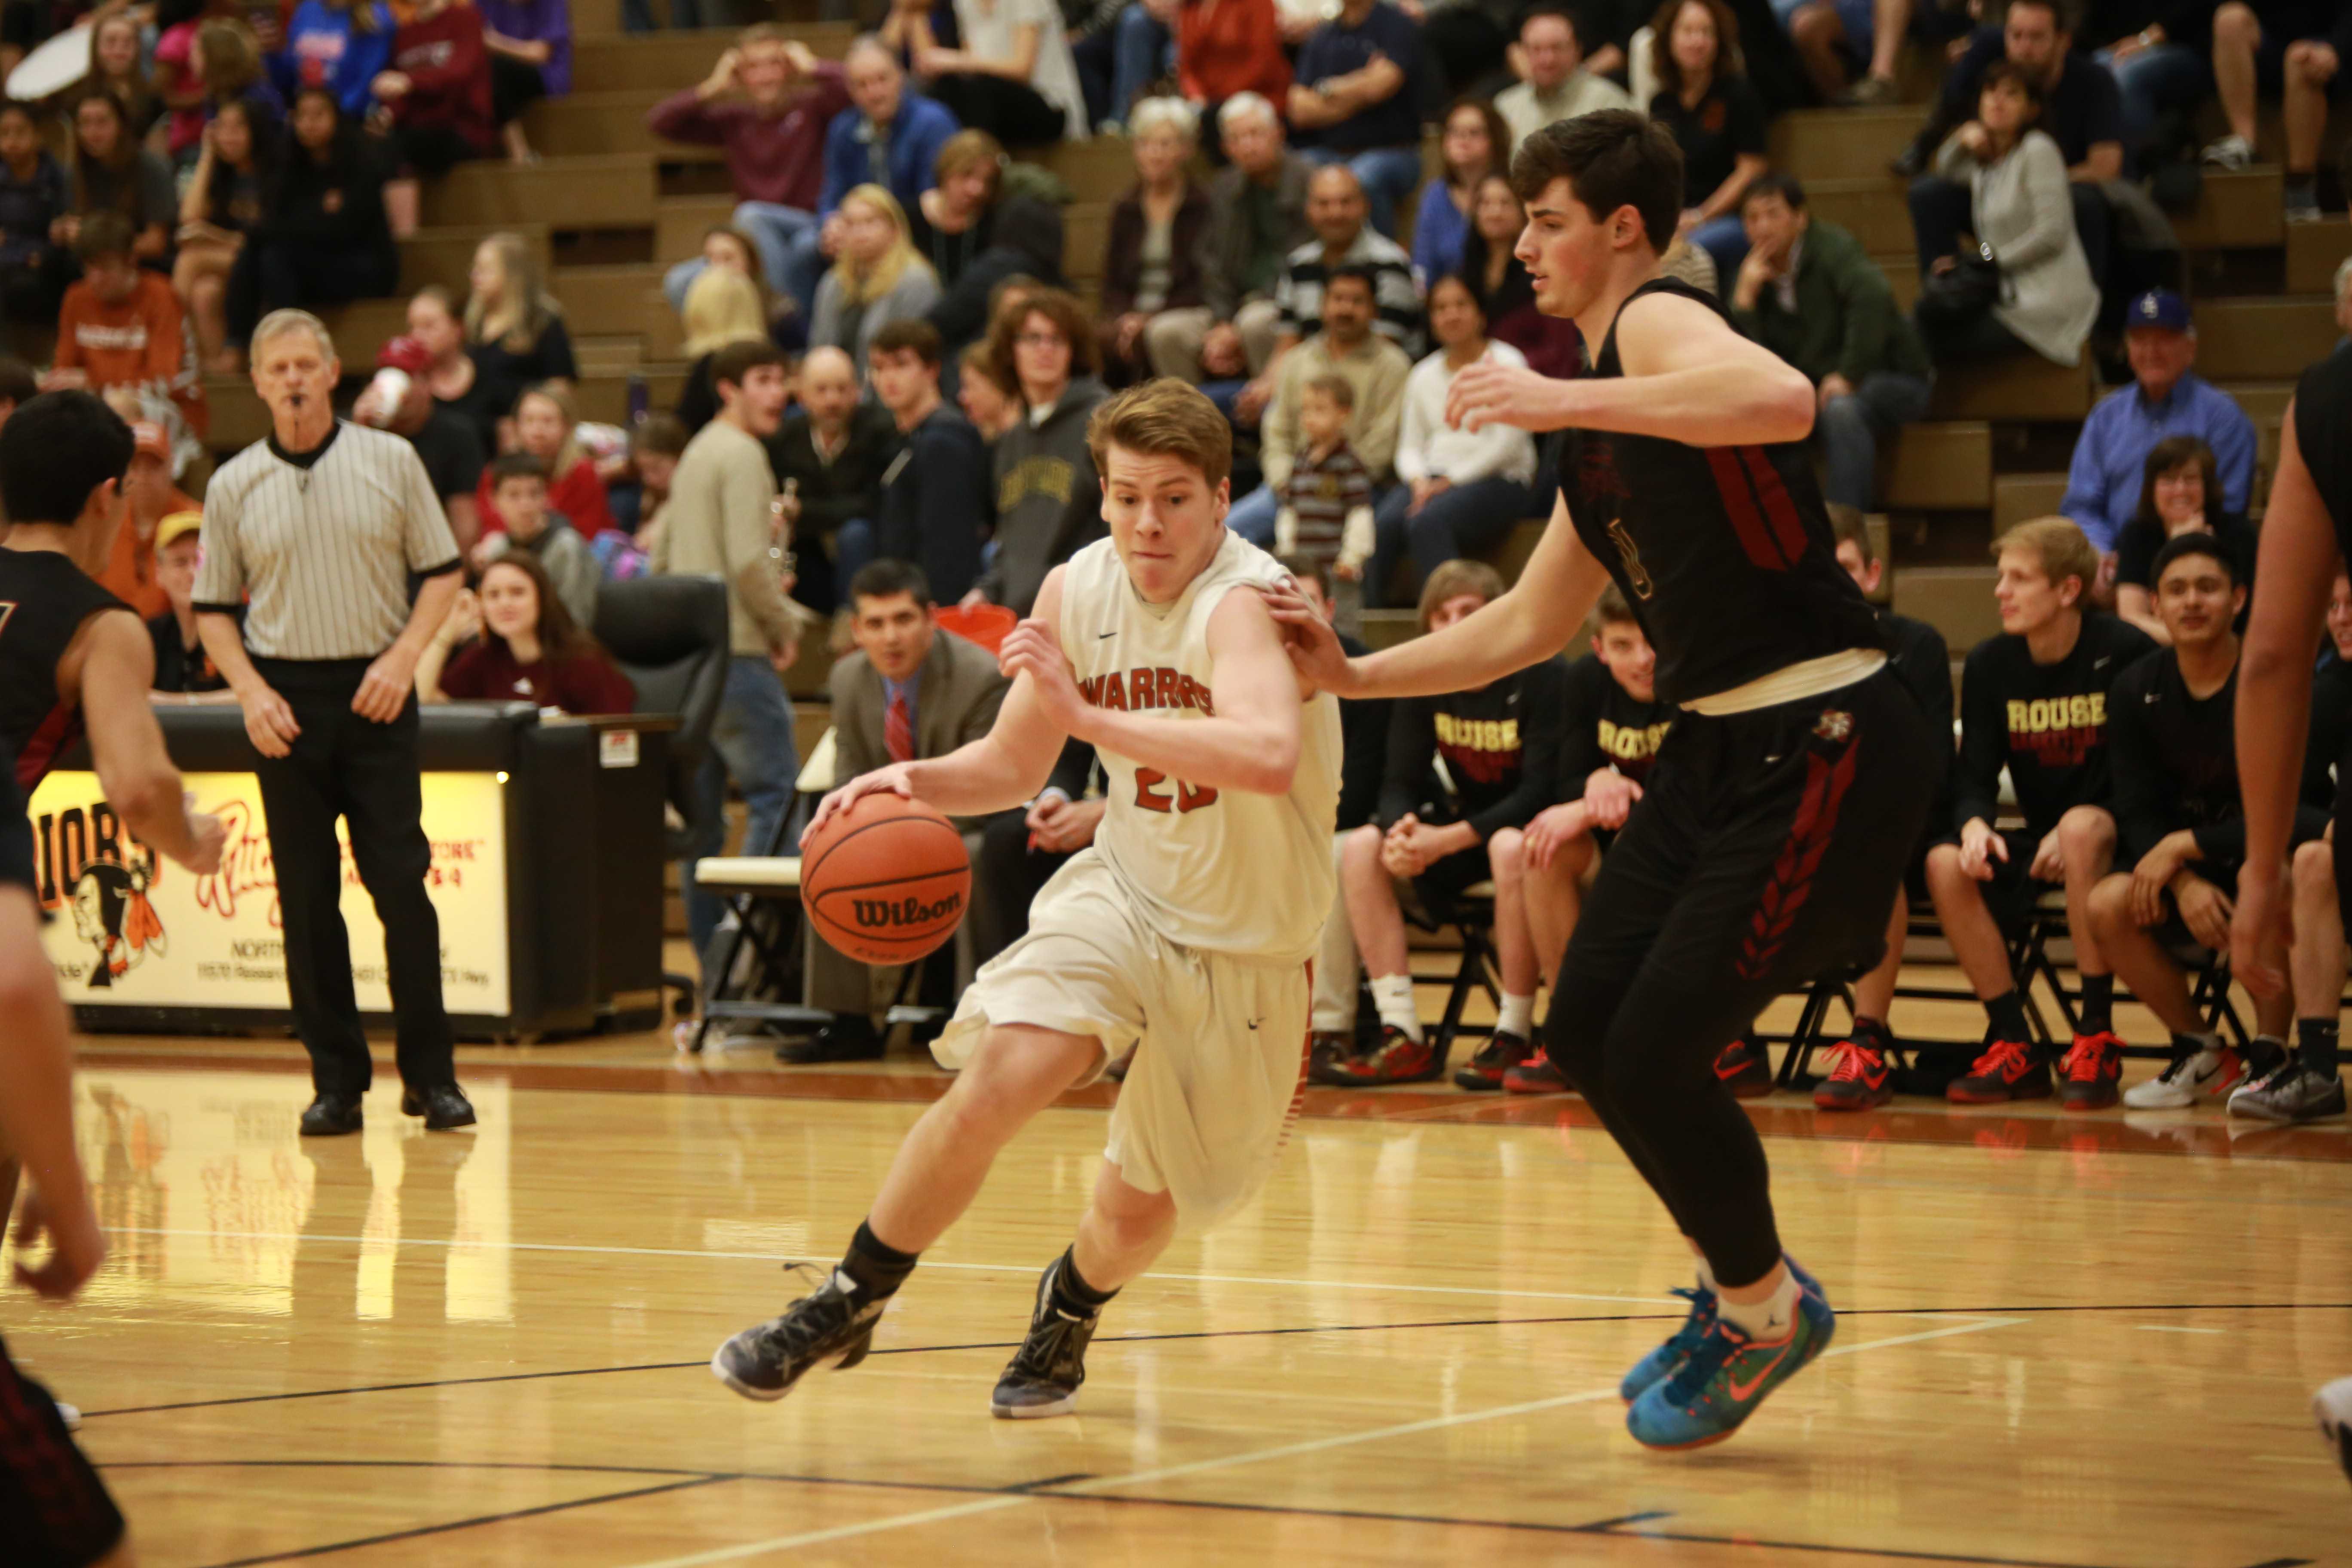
885, 879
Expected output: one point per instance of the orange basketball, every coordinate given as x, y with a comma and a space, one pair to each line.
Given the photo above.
886, 881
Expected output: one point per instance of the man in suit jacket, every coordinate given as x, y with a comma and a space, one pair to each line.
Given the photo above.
910, 690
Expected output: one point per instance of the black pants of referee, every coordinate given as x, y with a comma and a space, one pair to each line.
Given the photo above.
1765, 851
365, 772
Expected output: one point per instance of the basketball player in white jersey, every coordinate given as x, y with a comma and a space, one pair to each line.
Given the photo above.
1185, 930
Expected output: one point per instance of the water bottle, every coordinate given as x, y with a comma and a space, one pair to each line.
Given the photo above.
640, 399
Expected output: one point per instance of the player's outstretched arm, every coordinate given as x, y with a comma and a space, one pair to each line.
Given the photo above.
36, 1107
2292, 576
1689, 377
1534, 620
116, 665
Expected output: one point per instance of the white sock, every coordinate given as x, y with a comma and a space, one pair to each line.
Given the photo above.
1393, 995
1768, 1320
1517, 1017
1707, 1278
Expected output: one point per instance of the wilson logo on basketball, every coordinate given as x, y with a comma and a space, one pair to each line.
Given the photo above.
883, 914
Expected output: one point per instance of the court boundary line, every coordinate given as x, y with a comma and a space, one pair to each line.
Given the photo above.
415, 1532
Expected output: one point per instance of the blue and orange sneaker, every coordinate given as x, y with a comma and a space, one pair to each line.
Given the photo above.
1667, 1359
1721, 1382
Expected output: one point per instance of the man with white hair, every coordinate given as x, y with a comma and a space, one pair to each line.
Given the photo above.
316, 531
1257, 217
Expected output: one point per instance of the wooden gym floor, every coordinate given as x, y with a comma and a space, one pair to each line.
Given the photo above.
2065, 1342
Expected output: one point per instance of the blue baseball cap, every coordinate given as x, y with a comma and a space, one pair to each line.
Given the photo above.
2159, 308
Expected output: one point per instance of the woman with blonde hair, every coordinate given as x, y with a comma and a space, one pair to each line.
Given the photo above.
877, 278
514, 329
723, 307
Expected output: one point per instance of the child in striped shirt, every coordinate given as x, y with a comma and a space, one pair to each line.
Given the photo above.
1327, 507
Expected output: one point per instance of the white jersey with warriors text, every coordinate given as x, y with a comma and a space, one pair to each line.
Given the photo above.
1224, 871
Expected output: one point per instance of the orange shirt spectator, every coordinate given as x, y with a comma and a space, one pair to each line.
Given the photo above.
149, 497
122, 326
1226, 47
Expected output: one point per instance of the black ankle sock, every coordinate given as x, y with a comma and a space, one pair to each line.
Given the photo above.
1072, 1296
2007, 1012
874, 1266
2098, 1003
1873, 1032
2315, 1041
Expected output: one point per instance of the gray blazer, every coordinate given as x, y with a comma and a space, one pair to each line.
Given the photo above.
1225, 245
956, 700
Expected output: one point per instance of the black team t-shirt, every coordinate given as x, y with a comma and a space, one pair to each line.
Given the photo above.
1500, 746
2176, 761
2046, 724
1607, 727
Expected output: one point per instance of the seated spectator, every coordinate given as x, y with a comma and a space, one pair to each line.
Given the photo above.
514, 328
909, 691
1357, 102
1612, 727
531, 58
121, 327
1716, 117
1809, 292
1832, 36
2041, 295
829, 457
1863, 1072
1556, 83
525, 645
767, 102
1348, 347
723, 307
324, 239
339, 45
2180, 820
148, 496
936, 495
954, 222
2076, 107
724, 245
182, 668
228, 69
1257, 217
2108, 476
889, 136
437, 93
2035, 700
2298, 50
1226, 48
180, 88
1500, 747
992, 408
518, 487
401, 400
1151, 258
2180, 493
449, 375
1012, 78
1507, 294
1048, 497
1475, 143
656, 444
1120, 47
877, 277
544, 425
2158, 52
218, 213
118, 68
2314, 1088
112, 173
1460, 492
1334, 207
34, 204
1325, 515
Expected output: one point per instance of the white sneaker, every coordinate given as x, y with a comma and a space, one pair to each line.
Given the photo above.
2230, 153
2190, 1076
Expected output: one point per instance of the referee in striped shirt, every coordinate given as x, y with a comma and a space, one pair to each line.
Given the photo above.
321, 525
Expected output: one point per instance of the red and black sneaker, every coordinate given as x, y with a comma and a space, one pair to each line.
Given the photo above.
1745, 1068
2008, 1070
1501, 1053
2087, 1075
1537, 1075
1859, 1079
1327, 1053
1398, 1058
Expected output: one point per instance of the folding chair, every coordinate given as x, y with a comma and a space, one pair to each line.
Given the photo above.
1472, 914
1812, 1030
764, 882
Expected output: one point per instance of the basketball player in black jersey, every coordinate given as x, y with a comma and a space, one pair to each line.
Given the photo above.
72, 654
1785, 801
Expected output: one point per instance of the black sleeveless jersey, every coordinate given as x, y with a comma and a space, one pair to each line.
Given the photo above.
2323, 431
44, 600
1725, 553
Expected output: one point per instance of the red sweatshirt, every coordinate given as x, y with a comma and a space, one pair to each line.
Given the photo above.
448, 72
1234, 48
771, 158
576, 495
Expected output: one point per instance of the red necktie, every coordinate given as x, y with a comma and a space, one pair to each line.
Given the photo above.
898, 731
